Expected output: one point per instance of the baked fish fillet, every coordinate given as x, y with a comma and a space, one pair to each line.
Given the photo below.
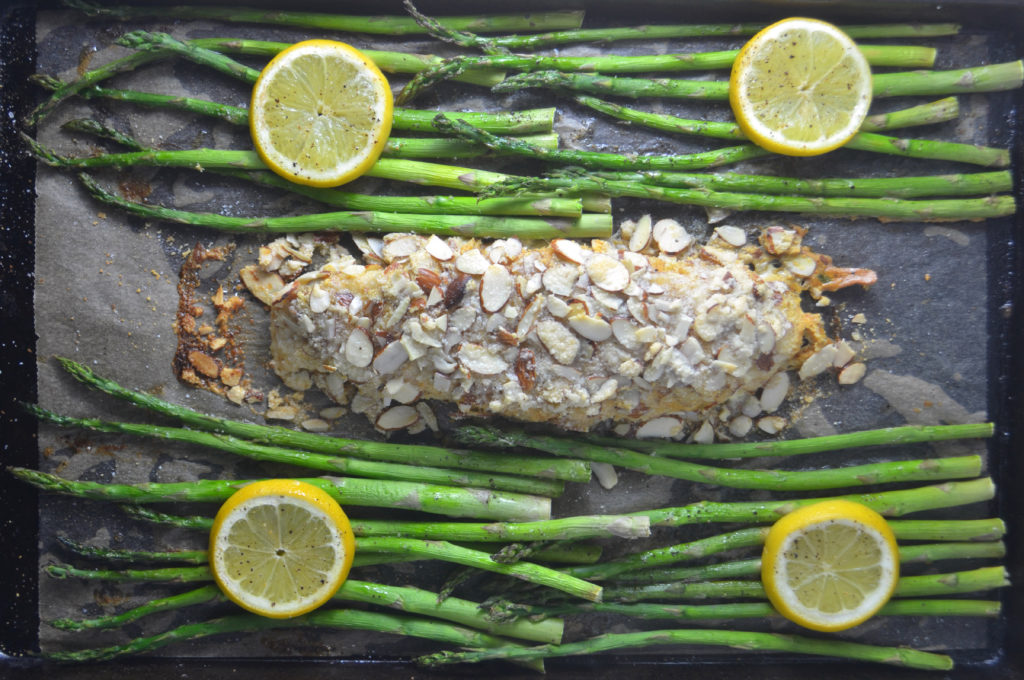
567, 333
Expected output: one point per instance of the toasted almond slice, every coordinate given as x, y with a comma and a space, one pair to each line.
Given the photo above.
558, 307
607, 390
560, 278
359, 348
495, 288
844, 354
771, 424
852, 373
472, 262
607, 273
204, 363
529, 316
818, 362
605, 473
778, 240
625, 333
389, 359
480, 360
438, 249
526, 369
774, 392
591, 327
262, 284
570, 250
613, 301
801, 265
641, 235
637, 309
670, 236
401, 391
734, 236
559, 341
662, 428
705, 434
397, 418
740, 426
400, 247
319, 299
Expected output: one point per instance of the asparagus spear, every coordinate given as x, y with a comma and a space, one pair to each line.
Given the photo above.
433, 550
669, 31
779, 480
877, 55
442, 500
763, 610
376, 25
909, 554
562, 529
344, 619
867, 141
570, 470
745, 640
941, 585
888, 436
989, 78
448, 205
316, 461
406, 599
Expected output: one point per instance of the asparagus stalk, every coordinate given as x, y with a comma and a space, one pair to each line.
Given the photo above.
888, 436
562, 529
941, 585
751, 568
979, 183
576, 471
866, 141
449, 205
778, 480
343, 619
316, 461
794, 644
442, 500
376, 25
432, 550
590, 225
763, 610
114, 554
886, 503
203, 595
990, 78
669, 31
657, 557
877, 55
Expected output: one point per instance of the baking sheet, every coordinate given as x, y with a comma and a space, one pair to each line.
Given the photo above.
106, 295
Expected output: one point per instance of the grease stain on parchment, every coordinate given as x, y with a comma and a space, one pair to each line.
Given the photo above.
958, 237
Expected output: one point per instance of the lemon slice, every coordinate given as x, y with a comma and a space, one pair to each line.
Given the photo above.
800, 87
831, 565
321, 113
280, 547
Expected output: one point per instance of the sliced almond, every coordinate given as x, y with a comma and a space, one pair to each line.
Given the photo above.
400, 247
559, 341
401, 391
705, 434
740, 426
852, 373
778, 240
472, 262
480, 360
495, 288
613, 301
818, 362
641, 235
315, 425
801, 265
774, 392
319, 299
558, 307
605, 473
397, 418
526, 369
670, 236
560, 278
389, 359
570, 250
606, 391
428, 279
204, 363
625, 333
607, 273
637, 309
264, 285
359, 348
438, 249
529, 316
591, 327
660, 428
771, 424
844, 354
231, 376
454, 291
734, 236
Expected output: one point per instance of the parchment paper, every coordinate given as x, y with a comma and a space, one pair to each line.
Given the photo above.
106, 296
